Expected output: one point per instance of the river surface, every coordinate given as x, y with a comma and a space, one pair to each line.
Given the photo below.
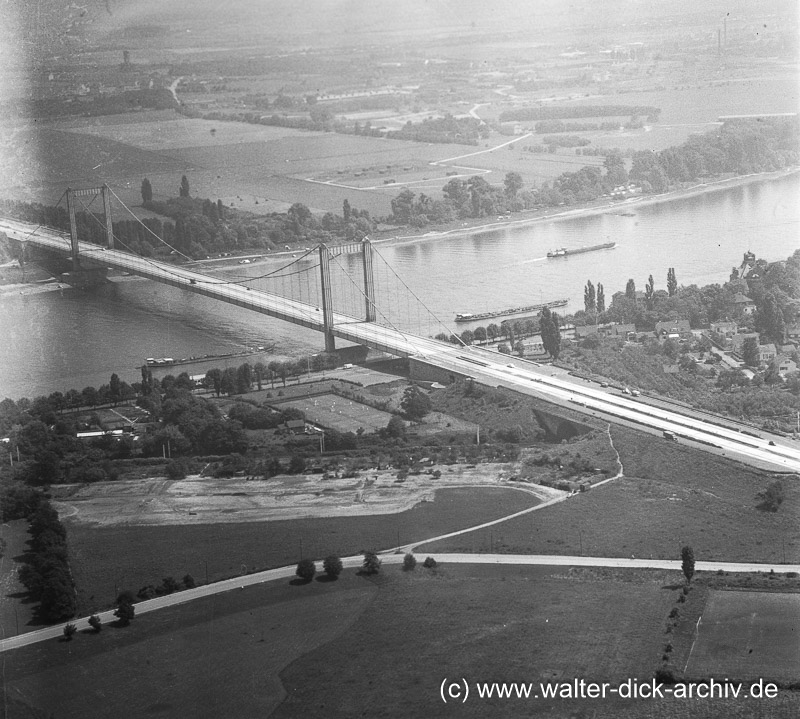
72, 339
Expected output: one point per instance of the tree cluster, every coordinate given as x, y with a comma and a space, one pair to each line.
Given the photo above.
45, 573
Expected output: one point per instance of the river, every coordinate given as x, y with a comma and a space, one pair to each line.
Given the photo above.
72, 339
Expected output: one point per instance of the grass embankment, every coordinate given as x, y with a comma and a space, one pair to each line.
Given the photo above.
671, 495
215, 657
106, 560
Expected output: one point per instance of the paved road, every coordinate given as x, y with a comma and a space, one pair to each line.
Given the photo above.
285, 573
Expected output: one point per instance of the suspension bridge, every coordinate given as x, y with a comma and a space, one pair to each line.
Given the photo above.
337, 291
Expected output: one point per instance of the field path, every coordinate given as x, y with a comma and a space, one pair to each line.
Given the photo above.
286, 573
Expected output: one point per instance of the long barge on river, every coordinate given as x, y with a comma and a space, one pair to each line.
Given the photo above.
171, 361
470, 317
562, 252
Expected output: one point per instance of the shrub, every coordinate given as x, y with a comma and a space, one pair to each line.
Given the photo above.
429, 563
332, 566
306, 569
69, 630
146, 592
409, 562
95, 623
125, 613
673, 613
372, 563
188, 581
665, 675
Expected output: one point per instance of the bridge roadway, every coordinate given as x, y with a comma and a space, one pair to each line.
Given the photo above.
483, 365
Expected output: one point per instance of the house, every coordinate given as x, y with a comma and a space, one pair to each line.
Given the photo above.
586, 331
793, 332
672, 329
744, 304
767, 353
725, 329
296, 426
620, 329
786, 365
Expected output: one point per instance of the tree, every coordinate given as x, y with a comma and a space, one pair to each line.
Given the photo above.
672, 282
750, 352
650, 293
394, 428
125, 610
589, 297
213, 380
147, 191
513, 183
297, 464
95, 623
69, 631
184, 188
772, 497
687, 563
630, 290
372, 563
551, 334
409, 562
188, 581
332, 566
115, 388
306, 569
601, 298
415, 403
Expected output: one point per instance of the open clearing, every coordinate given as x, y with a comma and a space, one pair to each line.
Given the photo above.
106, 559
748, 635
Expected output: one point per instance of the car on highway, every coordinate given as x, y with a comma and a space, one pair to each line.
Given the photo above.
604, 384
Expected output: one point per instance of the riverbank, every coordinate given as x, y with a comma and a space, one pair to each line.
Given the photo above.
598, 207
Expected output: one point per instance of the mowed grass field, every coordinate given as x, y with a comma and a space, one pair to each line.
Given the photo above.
523, 624
747, 635
671, 495
215, 657
335, 412
106, 560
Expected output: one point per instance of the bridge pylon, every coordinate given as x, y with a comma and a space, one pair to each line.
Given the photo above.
73, 225
327, 298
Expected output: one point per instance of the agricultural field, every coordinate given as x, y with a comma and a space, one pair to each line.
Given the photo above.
670, 496
106, 559
743, 635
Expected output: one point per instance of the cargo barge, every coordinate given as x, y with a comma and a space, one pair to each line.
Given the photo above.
171, 361
562, 252
469, 317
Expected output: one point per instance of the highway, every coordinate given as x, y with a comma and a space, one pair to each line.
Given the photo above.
485, 366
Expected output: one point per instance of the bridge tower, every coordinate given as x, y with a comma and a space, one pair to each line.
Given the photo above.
73, 226
363, 248
327, 298
369, 279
